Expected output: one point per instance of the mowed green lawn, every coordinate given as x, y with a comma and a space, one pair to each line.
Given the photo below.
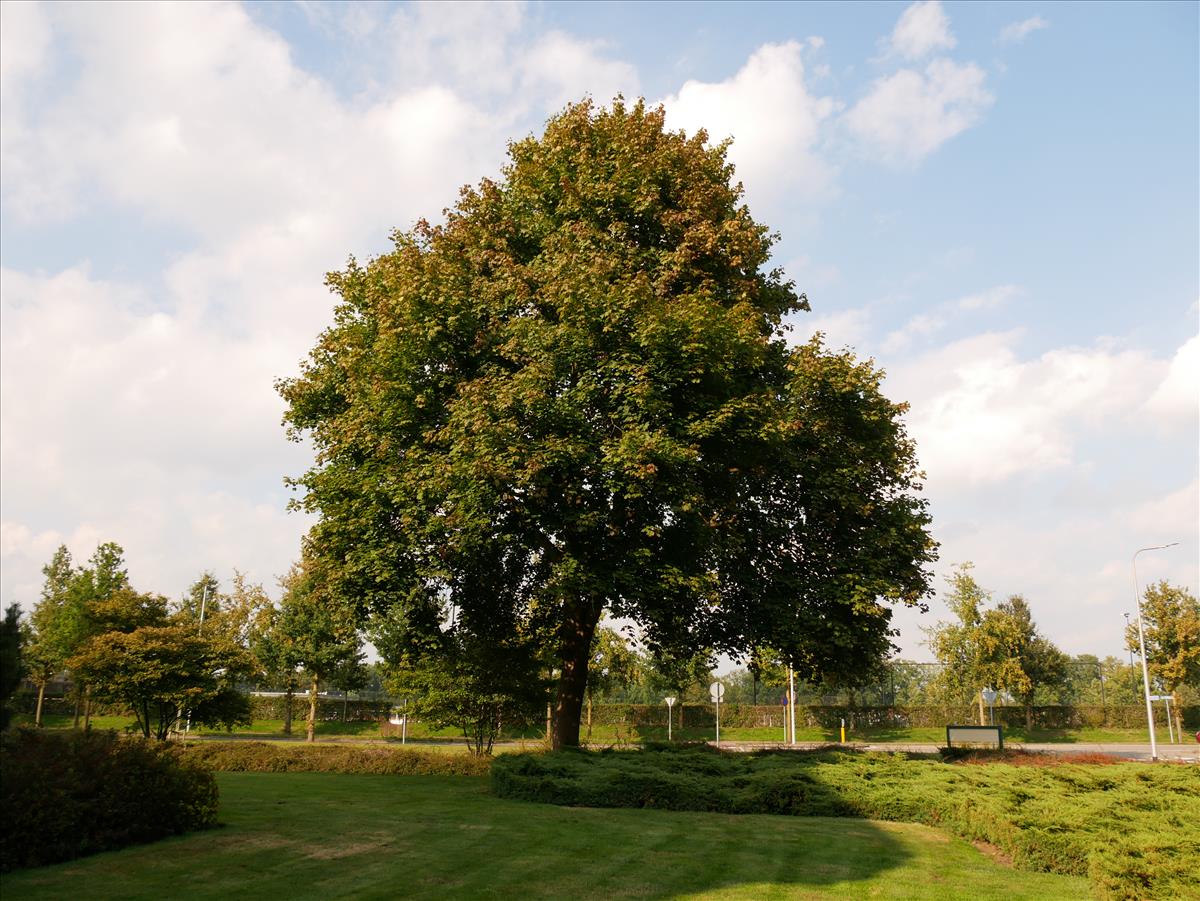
310, 835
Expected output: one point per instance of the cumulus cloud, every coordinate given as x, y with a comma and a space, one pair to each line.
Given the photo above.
1016, 32
844, 328
1179, 393
909, 114
927, 324
983, 414
922, 28
145, 412
775, 119
124, 422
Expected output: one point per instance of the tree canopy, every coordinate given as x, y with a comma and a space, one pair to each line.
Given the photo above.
576, 397
998, 647
1171, 620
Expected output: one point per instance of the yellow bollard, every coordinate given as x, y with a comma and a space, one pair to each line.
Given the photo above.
843, 731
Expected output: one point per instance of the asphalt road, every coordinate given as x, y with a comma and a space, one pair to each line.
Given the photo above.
1189, 753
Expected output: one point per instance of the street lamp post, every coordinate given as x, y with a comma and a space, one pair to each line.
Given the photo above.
1137, 597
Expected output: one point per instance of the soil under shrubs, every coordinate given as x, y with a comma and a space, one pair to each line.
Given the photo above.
68, 794
1133, 829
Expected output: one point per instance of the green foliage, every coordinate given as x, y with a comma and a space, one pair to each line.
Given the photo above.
453, 677
164, 673
263, 757
313, 629
1171, 622
998, 647
12, 669
69, 794
576, 398
202, 595
1126, 826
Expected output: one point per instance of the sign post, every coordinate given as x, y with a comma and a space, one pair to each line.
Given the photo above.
670, 704
989, 698
716, 691
1166, 699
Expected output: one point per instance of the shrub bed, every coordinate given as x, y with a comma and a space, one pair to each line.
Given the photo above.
69, 794
1130, 827
264, 757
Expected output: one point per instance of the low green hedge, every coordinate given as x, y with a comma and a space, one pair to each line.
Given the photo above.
265, 757
1132, 828
68, 794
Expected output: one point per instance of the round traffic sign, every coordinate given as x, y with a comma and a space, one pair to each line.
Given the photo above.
716, 691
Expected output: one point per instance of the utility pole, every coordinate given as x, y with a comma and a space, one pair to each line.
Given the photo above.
1137, 596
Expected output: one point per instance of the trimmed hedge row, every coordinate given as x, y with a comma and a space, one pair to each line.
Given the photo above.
1129, 827
69, 794
828, 717
266, 757
702, 715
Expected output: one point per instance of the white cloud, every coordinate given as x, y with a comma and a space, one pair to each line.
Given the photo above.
145, 413
775, 120
981, 414
24, 37
907, 115
922, 28
124, 422
1179, 393
990, 299
1016, 32
923, 325
927, 324
845, 328
560, 68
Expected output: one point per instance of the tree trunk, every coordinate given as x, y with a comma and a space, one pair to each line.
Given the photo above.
312, 712
589, 714
575, 654
1028, 718
37, 716
87, 710
287, 709
78, 707
982, 714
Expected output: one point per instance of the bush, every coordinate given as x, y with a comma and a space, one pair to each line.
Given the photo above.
263, 757
1127, 826
69, 794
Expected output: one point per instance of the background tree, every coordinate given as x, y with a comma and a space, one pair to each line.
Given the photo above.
477, 684
956, 644
998, 647
164, 673
277, 652
12, 669
57, 624
1171, 623
315, 630
84, 614
1019, 659
581, 386
204, 595
686, 676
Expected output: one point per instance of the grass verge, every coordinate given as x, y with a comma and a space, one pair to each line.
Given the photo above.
319, 836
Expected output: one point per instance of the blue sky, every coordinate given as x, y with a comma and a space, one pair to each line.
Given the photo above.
998, 202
